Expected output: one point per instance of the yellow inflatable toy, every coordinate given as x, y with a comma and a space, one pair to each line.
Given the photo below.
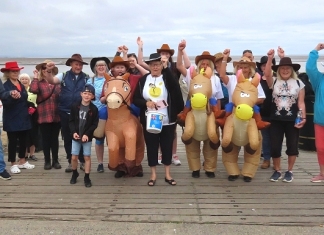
241, 130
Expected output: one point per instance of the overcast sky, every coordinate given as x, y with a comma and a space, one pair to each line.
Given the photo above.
59, 28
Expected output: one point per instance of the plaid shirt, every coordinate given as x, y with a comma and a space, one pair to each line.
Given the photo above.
48, 110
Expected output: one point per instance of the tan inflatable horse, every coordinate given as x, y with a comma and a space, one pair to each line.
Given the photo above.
241, 130
124, 132
200, 126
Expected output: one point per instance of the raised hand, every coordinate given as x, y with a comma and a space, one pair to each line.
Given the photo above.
226, 53
50, 66
280, 52
35, 74
120, 49
139, 41
125, 49
182, 45
271, 54
319, 47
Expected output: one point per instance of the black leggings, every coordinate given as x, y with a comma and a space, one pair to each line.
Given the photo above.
163, 139
50, 134
15, 137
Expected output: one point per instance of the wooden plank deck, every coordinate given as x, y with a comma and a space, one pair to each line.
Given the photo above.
47, 195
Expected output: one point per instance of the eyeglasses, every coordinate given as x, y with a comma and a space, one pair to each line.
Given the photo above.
43, 68
155, 65
100, 65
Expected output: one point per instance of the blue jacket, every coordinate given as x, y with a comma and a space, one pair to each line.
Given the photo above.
317, 80
70, 90
15, 111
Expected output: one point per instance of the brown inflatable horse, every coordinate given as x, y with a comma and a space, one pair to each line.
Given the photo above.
241, 130
200, 126
123, 130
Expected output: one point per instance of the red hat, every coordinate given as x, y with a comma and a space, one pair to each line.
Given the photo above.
11, 65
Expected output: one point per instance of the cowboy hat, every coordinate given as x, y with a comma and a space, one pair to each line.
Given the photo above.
244, 60
220, 56
42, 65
286, 61
118, 60
96, 59
264, 60
75, 57
153, 57
165, 47
204, 56
11, 65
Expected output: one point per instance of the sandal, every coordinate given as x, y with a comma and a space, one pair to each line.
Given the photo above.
171, 181
33, 157
26, 165
151, 183
14, 169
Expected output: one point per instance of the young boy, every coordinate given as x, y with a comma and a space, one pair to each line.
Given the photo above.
83, 121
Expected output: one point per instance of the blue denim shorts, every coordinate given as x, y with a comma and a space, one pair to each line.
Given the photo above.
76, 146
100, 141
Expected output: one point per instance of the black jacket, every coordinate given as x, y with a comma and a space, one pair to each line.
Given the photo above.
92, 119
175, 101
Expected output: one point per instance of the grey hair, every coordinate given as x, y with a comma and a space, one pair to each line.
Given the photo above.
100, 62
293, 74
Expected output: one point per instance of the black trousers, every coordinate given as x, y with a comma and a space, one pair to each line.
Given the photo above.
15, 137
50, 133
163, 139
67, 137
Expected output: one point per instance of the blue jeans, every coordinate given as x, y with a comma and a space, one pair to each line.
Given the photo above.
266, 143
2, 162
76, 147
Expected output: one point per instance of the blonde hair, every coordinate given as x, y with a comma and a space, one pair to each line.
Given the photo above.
5, 76
101, 62
24, 75
293, 74
252, 70
211, 65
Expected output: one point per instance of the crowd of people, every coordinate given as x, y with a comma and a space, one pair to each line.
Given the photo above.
71, 102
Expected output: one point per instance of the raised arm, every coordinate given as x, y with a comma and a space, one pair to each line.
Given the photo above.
140, 68
268, 71
125, 51
49, 75
119, 51
140, 54
180, 67
280, 52
186, 59
314, 75
222, 70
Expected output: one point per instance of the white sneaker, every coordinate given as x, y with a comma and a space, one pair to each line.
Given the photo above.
175, 160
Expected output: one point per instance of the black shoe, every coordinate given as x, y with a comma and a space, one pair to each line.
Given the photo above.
247, 179
47, 166
56, 165
100, 168
210, 174
5, 175
119, 174
195, 174
87, 183
139, 174
74, 178
232, 177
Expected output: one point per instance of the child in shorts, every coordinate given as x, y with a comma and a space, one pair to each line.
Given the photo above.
83, 121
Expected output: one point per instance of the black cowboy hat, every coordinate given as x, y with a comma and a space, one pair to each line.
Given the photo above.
153, 57
96, 59
286, 61
264, 60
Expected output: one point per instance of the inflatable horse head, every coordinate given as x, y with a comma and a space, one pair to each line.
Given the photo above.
200, 89
245, 95
117, 91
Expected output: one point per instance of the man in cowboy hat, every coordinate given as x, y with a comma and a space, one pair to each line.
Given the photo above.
72, 83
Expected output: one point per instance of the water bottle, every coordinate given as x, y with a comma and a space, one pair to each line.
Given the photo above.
299, 117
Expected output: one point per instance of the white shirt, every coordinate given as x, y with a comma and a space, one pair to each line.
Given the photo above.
217, 91
154, 90
232, 81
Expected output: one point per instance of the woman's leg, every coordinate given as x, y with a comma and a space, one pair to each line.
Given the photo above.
12, 145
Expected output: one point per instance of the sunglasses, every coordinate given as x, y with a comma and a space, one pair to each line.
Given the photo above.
44, 67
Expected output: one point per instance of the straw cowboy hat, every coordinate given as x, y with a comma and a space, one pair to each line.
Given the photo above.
204, 56
244, 60
41, 65
166, 48
286, 61
220, 56
153, 57
96, 59
264, 60
118, 60
75, 57
11, 65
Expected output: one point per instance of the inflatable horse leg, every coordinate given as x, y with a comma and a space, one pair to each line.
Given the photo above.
253, 135
230, 161
212, 132
189, 129
228, 134
251, 162
193, 155
210, 157
113, 149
